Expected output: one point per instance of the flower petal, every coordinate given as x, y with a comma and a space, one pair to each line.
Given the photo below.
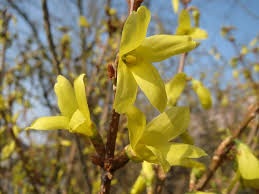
150, 82
50, 123
126, 89
175, 4
198, 34
188, 163
78, 124
184, 23
170, 123
179, 150
160, 157
160, 47
136, 124
248, 164
203, 94
80, 94
134, 30
66, 96
175, 87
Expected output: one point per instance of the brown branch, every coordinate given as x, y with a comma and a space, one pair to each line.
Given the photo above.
6, 19
84, 167
225, 146
181, 63
49, 35
30, 23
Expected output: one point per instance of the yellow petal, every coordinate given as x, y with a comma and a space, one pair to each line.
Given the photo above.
175, 4
82, 22
178, 151
50, 123
184, 23
78, 124
248, 164
134, 30
175, 87
80, 94
126, 90
160, 157
136, 124
198, 34
170, 123
203, 94
7, 150
66, 96
188, 163
160, 47
150, 82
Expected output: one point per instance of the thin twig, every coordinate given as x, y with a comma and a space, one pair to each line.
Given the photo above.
84, 167
225, 146
49, 35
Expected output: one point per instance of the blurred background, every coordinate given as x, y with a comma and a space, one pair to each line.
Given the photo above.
83, 36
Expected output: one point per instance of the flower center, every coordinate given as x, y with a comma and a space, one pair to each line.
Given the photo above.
129, 59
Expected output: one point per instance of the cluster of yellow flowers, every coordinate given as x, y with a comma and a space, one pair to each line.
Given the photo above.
149, 142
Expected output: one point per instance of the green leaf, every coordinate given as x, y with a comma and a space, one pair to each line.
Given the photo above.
175, 87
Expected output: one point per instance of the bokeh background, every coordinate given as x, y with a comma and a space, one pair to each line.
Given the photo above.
227, 63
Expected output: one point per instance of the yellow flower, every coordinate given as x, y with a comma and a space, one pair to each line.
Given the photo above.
185, 27
248, 165
151, 142
73, 106
136, 55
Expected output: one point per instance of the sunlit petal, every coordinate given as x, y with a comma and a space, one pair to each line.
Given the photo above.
50, 123
126, 89
80, 94
160, 47
66, 96
150, 82
134, 30
170, 123
136, 124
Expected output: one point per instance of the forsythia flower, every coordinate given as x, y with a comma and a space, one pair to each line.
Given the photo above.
151, 142
248, 166
185, 27
203, 93
136, 55
73, 106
